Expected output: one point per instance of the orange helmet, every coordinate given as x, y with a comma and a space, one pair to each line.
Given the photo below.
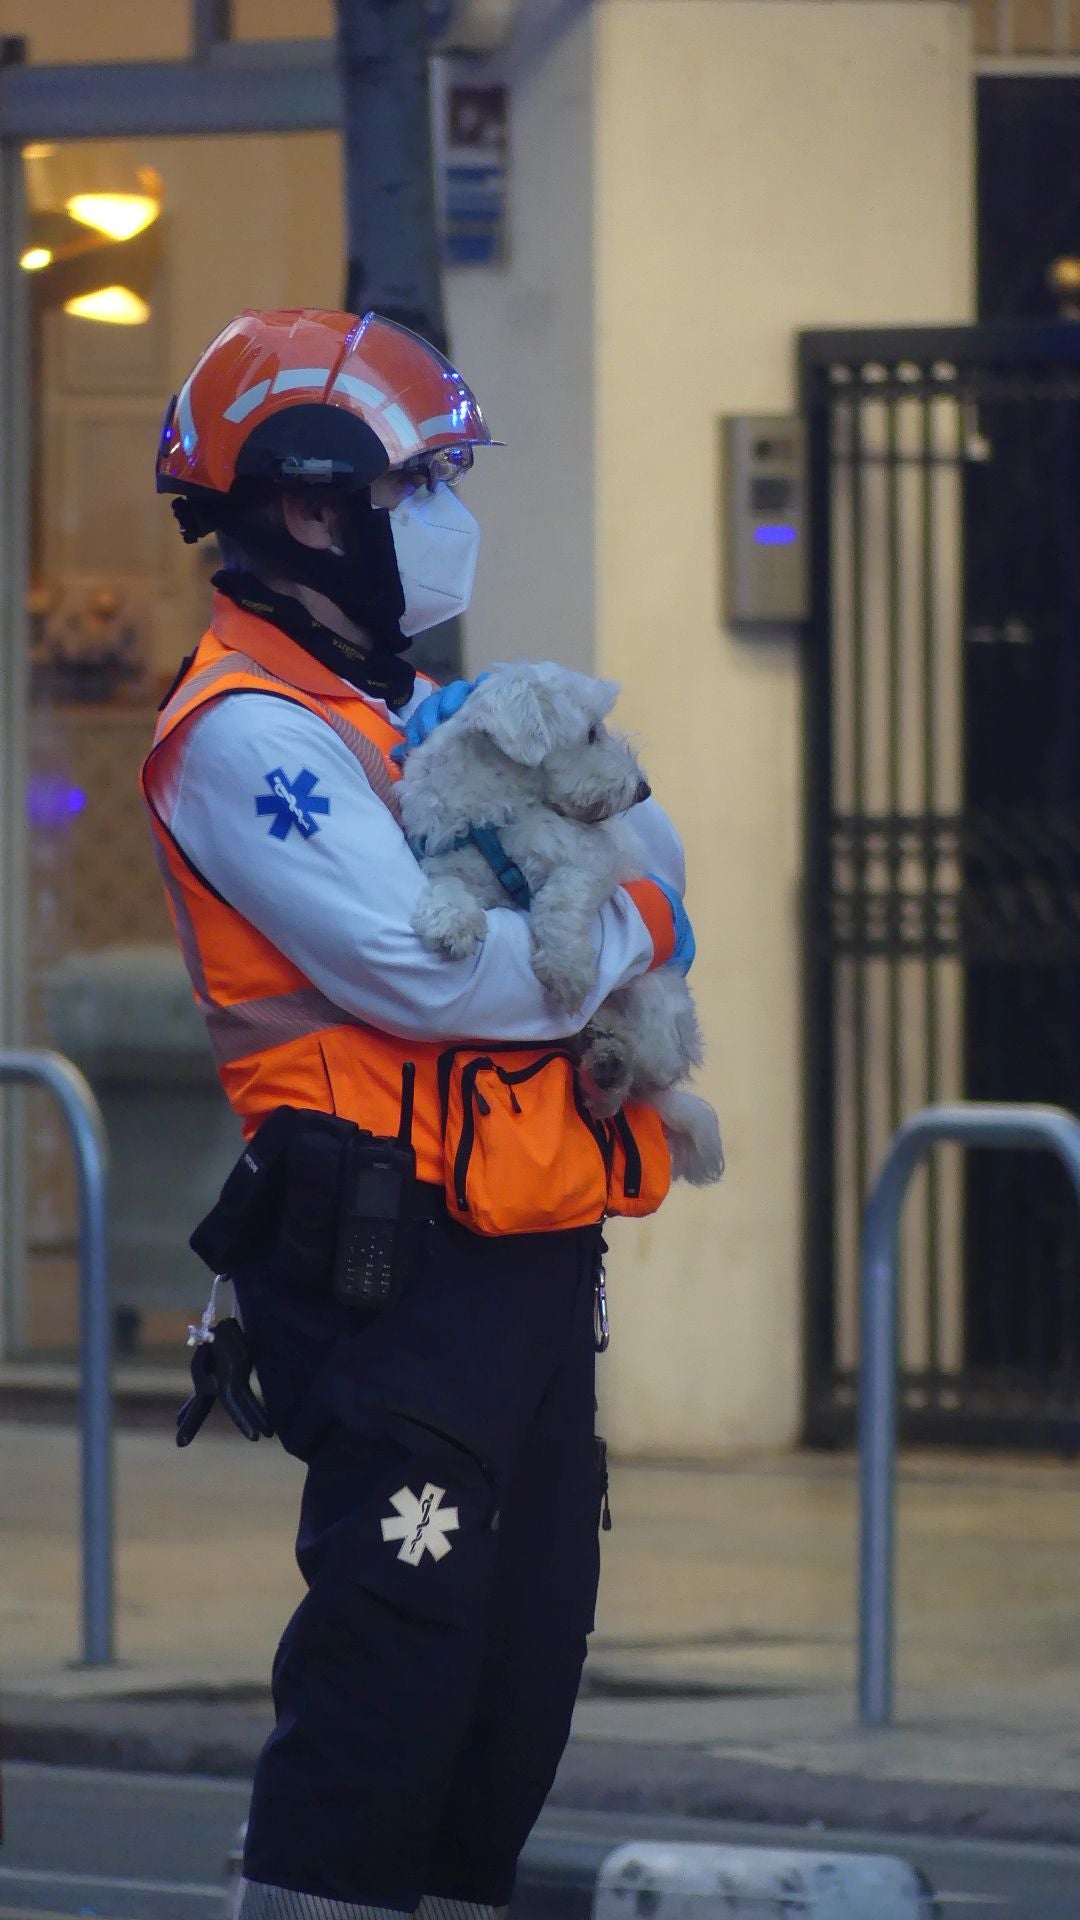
303, 396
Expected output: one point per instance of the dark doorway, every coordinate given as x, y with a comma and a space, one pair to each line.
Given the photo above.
1028, 184
1022, 732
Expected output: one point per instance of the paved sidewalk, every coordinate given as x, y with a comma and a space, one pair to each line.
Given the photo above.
720, 1679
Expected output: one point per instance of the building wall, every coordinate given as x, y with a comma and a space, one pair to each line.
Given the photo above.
761, 166
692, 181
523, 333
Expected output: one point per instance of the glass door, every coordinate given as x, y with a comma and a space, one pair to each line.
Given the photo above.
133, 255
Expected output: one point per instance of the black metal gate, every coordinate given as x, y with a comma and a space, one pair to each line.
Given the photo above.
943, 855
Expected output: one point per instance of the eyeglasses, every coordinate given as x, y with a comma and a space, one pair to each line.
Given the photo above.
444, 467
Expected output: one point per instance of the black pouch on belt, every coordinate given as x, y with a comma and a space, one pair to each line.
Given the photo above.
278, 1207
319, 1204
242, 1225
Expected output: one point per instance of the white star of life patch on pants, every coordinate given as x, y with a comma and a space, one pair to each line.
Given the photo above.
422, 1527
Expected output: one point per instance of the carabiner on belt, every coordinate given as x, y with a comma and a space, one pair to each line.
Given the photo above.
601, 1334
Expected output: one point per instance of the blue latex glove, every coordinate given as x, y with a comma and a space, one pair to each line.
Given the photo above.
432, 712
685, 945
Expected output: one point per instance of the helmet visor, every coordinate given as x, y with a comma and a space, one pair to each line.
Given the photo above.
407, 391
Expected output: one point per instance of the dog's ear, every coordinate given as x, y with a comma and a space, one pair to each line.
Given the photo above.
604, 695
518, 713
580, 699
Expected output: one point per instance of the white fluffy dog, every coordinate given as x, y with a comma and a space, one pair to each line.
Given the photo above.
529, 755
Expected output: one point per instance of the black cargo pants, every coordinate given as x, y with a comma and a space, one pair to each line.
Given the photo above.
449, 1540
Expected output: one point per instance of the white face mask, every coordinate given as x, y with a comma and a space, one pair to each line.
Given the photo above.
436, 541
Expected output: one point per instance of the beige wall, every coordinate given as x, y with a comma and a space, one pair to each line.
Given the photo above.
523, 334
761, 166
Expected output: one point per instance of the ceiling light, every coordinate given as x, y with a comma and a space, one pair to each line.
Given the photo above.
35, 258
120, 215
118, 305
39, 150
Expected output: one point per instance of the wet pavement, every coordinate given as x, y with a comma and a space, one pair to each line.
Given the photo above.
725, 1635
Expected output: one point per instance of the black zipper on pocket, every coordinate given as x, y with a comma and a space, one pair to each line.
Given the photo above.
445, 1065
631, 1156
507, 1080
602, 1470
534, 1066
470, 1095
600, 1130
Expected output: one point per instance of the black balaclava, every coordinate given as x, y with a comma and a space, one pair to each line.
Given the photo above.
362, 580
375, 670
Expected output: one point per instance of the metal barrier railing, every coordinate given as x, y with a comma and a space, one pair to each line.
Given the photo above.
36, 1067
966, 1123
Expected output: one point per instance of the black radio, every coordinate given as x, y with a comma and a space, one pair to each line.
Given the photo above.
375, 1212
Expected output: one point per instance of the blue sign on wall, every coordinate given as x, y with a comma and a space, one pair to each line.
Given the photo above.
472, 167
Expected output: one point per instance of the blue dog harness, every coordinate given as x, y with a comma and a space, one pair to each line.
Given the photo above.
506, 871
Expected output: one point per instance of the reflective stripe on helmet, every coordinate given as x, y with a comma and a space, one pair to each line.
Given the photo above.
361, 390
292, 377
185, 420
246, 403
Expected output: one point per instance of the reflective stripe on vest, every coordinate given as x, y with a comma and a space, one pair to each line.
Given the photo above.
193, 690
251, 1026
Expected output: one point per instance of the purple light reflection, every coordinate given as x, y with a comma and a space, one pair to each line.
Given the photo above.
52, 801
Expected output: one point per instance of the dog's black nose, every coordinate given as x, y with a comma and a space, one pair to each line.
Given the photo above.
644, 792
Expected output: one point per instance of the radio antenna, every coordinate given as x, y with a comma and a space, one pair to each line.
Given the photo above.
408, 1083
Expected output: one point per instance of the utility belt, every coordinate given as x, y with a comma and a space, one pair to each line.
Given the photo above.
318, 1205
319, 1202
503, 1131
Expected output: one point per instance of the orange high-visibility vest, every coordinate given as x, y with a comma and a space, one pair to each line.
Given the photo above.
276, 1039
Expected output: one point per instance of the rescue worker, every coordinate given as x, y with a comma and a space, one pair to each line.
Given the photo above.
449, 1523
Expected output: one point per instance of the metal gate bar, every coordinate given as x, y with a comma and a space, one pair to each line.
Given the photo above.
971, 1124
43, 1068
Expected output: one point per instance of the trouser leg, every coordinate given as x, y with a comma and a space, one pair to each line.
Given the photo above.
542, 1609
375, 1677
378, 1673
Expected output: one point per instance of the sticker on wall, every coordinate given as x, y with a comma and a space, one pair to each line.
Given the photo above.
472, 140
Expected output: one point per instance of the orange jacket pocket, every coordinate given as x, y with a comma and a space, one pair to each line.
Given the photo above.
521, 1154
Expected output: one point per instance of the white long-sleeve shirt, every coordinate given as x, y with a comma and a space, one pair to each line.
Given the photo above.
324, 871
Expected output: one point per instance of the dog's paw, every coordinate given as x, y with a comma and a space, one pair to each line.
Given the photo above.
604, 1070
448, 921
693, 1135
567, 975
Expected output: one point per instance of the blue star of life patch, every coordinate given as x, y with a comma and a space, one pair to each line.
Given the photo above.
292, 804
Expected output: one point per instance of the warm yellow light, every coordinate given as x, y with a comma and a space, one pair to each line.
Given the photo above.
35, 258
39, 150
120, 215
118, 305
